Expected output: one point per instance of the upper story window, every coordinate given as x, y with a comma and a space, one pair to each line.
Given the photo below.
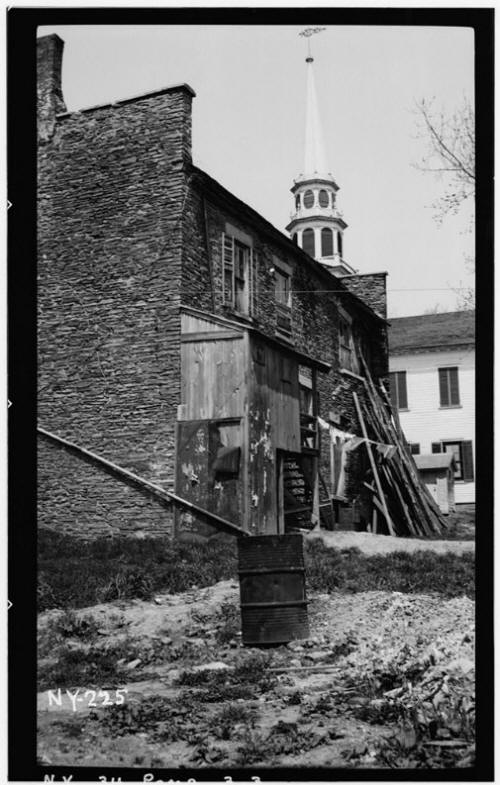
324, 198
326, 242
399, 393
308, 199
239, 272
308, 244
448, 387
339, 243
345, 344
283, 297
297, 202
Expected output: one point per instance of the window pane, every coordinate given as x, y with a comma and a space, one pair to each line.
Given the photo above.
402, 394
453, 379
326, 242
339, 242
308, 199
308, 242
324, 201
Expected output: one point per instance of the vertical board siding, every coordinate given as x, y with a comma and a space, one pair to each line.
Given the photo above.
213, 379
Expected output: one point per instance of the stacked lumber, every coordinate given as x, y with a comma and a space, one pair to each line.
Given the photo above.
398, 495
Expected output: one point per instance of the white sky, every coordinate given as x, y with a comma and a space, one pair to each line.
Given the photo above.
248, 126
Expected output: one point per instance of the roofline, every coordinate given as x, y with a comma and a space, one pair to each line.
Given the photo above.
432, 315
367, 275
218, 190
130, 99
426, 349
307, 219
298, 183
325, 367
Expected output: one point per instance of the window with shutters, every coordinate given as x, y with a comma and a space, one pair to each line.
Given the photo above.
283, 297
239, 280
448, 387
399, 395
463, 455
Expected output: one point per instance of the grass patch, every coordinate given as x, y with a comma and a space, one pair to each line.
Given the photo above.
74, 573
421, 572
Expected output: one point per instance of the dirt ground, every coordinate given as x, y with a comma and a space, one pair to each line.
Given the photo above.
371, 544
195, 696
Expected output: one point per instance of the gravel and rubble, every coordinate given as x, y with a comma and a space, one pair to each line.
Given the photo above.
386, 679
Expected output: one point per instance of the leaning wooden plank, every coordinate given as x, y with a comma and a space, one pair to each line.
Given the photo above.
146, 484
395, 488
373, 466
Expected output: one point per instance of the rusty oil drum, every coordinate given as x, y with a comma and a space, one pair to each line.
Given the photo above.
272, 589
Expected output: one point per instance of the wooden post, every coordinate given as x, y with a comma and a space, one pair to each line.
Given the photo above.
374, 467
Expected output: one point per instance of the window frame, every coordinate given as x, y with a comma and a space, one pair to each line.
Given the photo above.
445, 384
397, 375
465, 463
241, 302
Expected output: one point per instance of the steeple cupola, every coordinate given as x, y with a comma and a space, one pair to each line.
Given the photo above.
316, 225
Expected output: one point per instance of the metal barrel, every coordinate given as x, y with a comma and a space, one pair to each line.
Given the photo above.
272, 589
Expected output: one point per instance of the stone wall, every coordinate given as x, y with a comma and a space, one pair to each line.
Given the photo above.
111, 188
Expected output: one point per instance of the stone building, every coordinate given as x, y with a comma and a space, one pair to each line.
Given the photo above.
187, 347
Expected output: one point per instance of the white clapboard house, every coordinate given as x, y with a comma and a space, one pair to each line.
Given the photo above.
432, 370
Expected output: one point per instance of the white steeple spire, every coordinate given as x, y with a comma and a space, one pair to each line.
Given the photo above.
315, 158
317, 226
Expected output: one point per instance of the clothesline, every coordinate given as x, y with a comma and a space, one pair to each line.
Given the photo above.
351, 441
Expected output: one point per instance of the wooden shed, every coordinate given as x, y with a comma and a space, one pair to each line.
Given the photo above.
247, 437
438, 473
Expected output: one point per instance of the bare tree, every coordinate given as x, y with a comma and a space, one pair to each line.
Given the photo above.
451, 156
450, 153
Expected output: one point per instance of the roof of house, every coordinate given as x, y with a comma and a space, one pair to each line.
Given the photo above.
432, 332
439, 460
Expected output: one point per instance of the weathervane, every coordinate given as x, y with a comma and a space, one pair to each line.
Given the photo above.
307, 33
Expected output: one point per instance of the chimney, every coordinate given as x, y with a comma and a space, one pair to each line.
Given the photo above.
49, 90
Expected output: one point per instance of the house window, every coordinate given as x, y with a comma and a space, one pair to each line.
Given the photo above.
414, 448
308, 199
448, 387
283, 290
345, 344
326, 242
308, 244
283, 297
307, 406
399, 395
239, 274
464, 459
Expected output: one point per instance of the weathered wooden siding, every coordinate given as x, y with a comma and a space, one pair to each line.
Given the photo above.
273, 421
213, 379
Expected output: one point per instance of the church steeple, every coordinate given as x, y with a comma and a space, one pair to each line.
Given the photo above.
316, 224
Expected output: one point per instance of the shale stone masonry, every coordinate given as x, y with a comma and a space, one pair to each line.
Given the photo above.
111, 186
